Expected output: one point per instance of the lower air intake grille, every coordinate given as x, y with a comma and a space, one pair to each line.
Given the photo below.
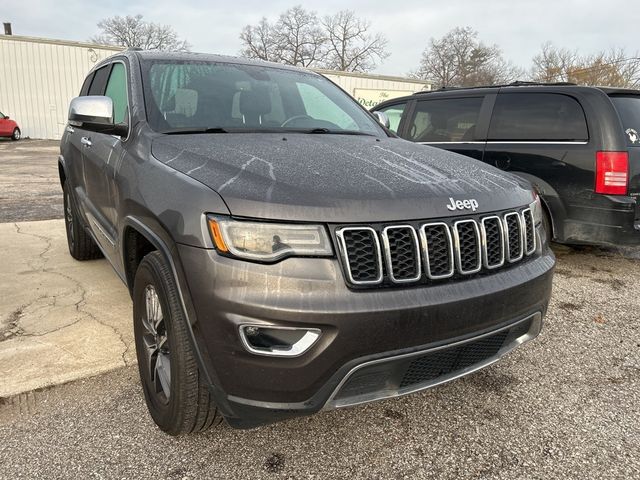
444, 362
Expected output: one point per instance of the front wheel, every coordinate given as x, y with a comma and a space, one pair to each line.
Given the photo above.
177, 396
16, 135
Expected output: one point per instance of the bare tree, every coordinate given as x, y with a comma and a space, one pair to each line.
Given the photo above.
295, 39
614, 68
552, 64
350, 47
259, 41
298, 38
133, 31
341, 41
460, 59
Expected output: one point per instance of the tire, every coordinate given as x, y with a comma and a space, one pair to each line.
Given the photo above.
176, 394
16, 135
81, 245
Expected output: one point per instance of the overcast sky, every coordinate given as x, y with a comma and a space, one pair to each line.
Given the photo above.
518, 27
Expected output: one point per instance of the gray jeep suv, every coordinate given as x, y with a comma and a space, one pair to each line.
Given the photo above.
285, 253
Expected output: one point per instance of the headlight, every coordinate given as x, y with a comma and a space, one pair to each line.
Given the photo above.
536, 210
268, 242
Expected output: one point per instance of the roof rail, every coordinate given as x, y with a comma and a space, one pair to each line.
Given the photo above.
517, 83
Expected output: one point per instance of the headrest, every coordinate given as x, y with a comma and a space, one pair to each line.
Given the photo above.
186, 102
255, 102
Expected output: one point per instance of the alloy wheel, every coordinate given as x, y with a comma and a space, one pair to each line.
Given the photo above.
156, 345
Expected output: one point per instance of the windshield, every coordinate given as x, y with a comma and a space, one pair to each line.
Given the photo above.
221, 97
629, 111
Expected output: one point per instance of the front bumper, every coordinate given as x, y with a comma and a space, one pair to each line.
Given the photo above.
357, 326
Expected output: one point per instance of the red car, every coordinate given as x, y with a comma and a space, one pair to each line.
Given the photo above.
9, 128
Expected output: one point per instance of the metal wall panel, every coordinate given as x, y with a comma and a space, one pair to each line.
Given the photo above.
38, 79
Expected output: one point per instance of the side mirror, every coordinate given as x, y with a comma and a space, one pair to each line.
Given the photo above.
382, 118
6, 117
95, 113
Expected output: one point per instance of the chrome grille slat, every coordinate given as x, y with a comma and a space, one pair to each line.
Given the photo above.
513, 236
529, 231
440, 244
410, 253
492, 242
402, 253
344, 236
468, 247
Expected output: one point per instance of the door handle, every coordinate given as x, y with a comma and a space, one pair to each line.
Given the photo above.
86, 141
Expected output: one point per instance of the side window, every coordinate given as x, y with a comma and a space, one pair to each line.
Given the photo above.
321, 107
99, 81
445, 120
537, 116
394, 112
117, 91
84, 91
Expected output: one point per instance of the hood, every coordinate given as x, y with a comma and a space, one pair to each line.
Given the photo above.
337, 178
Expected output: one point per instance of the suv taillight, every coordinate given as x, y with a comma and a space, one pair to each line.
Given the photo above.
612, 172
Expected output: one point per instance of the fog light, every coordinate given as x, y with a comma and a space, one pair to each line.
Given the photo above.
278, 341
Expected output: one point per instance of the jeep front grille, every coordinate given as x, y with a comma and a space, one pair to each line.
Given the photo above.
421, 252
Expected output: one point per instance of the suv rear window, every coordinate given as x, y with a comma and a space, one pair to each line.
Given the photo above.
446, 120
629, 111
537, 117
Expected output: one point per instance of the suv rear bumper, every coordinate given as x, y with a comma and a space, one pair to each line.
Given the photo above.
311, 292
615, 220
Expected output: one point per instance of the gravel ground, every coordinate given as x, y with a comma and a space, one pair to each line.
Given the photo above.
563, 406
29, 185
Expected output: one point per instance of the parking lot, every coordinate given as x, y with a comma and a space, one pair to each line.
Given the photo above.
564, 406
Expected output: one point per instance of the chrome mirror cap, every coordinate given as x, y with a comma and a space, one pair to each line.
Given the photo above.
95, 109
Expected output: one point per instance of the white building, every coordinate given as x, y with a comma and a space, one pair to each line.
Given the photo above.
39, 77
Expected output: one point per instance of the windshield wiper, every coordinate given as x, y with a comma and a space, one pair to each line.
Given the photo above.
188, 130
337, 132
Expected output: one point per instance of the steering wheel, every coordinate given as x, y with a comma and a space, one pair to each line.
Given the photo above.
294, 118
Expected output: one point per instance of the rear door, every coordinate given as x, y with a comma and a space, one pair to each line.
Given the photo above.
628, 108
543, 136
452, 123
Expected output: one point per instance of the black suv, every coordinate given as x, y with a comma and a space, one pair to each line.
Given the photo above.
579, 146
284, 252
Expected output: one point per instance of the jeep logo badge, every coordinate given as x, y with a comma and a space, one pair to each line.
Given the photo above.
470, 204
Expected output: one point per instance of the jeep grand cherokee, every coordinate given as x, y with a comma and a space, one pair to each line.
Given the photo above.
284, 252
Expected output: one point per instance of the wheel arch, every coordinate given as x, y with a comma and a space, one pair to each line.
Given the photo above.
161, 242
551, 202
62, 173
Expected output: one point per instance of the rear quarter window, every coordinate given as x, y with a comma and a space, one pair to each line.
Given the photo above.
628, 109
537, 117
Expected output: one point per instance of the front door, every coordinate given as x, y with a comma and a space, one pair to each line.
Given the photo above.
448, 123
